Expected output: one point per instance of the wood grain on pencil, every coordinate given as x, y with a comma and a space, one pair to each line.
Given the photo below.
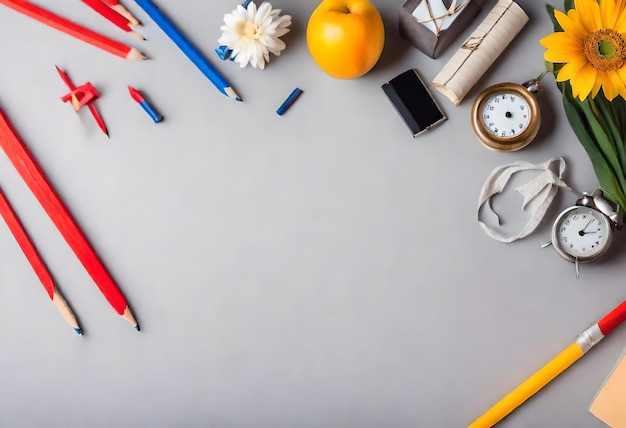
82, 33
113, 16
33, 176
115, 5
40, 269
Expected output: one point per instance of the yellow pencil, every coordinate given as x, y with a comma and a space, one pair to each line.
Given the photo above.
583, 343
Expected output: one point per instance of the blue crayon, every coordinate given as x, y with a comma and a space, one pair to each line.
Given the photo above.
287, 103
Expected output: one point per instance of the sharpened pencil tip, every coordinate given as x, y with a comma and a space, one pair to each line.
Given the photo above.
78, 331
230, 92
137, 327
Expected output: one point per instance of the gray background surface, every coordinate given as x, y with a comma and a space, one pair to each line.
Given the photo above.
319, 269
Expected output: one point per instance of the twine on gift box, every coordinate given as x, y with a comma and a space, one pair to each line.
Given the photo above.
452, 10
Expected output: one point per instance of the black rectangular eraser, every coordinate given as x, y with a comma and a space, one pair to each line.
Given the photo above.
414, 102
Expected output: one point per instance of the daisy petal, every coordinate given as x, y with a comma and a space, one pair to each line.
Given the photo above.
253, 33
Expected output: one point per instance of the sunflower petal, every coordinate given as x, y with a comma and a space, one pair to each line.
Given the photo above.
584, 80
588, 12
615, 83
621, 73
608, 13
561, 48
596, 87
620, 22
570, 25
570, 69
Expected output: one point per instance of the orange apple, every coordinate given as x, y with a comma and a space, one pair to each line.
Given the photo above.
345, 37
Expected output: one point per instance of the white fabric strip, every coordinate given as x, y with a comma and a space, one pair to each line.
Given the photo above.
538, 193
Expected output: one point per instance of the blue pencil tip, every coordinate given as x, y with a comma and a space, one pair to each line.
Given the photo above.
78, 331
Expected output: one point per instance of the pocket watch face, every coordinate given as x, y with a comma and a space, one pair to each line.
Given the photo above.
506, 114
505, 117
581, 233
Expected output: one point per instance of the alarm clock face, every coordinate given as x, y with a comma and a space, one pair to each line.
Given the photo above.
581, 233
506, 114
505, 117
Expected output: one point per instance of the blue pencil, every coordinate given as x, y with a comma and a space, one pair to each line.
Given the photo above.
188, 49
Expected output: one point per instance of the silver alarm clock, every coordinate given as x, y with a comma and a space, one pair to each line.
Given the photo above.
584, 232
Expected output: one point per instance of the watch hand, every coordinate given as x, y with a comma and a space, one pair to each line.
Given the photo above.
582, 232
508, 113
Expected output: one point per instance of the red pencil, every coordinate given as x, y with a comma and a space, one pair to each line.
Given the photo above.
59, 23
112, 15
33, 176
114, 4
16, 228
92, 108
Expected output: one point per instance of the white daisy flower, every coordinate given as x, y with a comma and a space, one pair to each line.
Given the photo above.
253, 33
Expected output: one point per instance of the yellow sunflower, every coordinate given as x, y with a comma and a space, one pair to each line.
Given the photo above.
591, 47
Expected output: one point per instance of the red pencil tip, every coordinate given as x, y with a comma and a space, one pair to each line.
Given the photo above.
135, 94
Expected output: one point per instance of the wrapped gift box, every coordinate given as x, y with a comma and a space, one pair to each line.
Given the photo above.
432, 25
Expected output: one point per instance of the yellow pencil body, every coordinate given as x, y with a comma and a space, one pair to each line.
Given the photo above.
529, 387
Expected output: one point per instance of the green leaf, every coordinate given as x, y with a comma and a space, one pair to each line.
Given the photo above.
608, 178
568, 4
603, 141
609, 120
549, 66
555, 23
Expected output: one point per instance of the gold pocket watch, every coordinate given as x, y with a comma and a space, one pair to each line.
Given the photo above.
584, 232
506, 116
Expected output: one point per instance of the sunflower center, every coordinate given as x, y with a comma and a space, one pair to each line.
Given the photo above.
246, 29
605, 49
